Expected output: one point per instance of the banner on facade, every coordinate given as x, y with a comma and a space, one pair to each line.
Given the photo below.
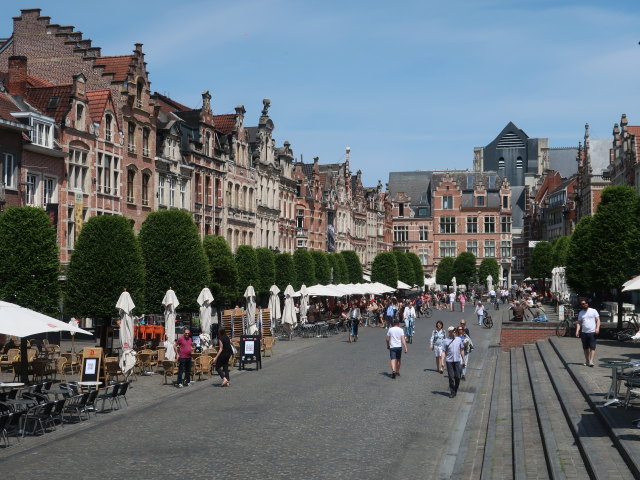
77, 214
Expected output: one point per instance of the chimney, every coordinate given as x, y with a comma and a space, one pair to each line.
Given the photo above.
17, 76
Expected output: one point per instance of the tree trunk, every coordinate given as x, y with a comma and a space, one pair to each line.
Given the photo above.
620, 311
24, 361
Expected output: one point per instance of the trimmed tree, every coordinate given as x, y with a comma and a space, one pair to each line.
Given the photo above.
560, 249
464, 268
541, 262
406, 273
173, 257
285, 271
580, 260
223, 270
354, 267
385, 269
29, 263
343, 272
322, 267
444, 272
247, 264
106, 259
418, 271
305, 269
266, 270
488, 266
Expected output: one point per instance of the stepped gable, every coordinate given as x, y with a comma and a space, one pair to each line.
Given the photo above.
225, 123
51, 101
98, 100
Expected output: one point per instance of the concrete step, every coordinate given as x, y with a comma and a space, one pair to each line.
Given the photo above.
561, 451
529, 461
497, 460
601, 458
616, 424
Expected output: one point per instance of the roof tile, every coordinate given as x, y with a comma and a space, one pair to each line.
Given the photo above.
225, 123
51, 101
119, 66
97, 103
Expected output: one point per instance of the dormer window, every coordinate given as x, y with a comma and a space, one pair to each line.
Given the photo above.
171, 148
42, 134
79, 116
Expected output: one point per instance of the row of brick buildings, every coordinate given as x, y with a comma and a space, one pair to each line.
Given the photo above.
83, 134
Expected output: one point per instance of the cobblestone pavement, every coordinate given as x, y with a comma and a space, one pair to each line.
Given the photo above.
319, 409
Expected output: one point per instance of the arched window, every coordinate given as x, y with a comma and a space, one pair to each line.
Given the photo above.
500, 163
139, 92
519, 162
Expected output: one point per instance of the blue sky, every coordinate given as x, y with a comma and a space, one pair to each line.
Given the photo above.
407, 85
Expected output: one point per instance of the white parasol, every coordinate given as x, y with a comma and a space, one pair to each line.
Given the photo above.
289, 313
250, 297
170, 303
454, 283
205, 299
304, 303
633, 284
274, 303
125, 306
489, 282
22, 322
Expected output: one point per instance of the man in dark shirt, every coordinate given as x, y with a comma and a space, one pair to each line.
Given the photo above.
183, 348
518, 312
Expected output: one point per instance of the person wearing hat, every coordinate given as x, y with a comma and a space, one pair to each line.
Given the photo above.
395, 344
454, 357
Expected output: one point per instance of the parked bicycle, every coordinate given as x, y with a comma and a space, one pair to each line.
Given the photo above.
630, 327
565, 327
487, 321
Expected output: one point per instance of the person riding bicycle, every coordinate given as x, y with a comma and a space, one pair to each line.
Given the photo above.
354, 319
409, 316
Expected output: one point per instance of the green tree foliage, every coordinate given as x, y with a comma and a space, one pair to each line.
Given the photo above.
464, 269
29, 264
173, 257
611, 249
541, 262
343, 271
333, 267
354, 267
444, 273
406, 273
385, 269
560, 250
418, 271
266, 270
106, 259
305, 269
322, 267
580, 260
488, 266
285, 271
223, 270
247, 264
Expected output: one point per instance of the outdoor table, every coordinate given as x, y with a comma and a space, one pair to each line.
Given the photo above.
617, 365
90, 385
10, 385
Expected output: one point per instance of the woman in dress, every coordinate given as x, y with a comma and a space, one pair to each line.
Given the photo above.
436, 344
462, 299
221, 360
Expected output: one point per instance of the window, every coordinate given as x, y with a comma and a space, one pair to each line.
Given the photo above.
480, 201
492, 182
42, 134
30, 191
207, 143
505, 223
423, 232
489, 225
71, 229
172, 192
108, 128
48, 191
131, 141
505, 249
161, 182
171, 148
472, 224
422, 212
108, 174
448, 248
145, 142
447, 224
9, 171
139, 92
131, 176
145, 188
519, 162
472, 247
79, 116
183, 194
207, 190
447, 202
401, 233
401, 210
423, 254
78, 170
501, 163
489, 248
469, 182
505, 201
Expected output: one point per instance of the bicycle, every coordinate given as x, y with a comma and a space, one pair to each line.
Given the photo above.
487, 321
565, 326
408, 330
426, 311
629, 329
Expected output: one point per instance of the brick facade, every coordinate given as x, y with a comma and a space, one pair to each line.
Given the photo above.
517, 334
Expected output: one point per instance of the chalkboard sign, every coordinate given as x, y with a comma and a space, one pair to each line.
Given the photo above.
250, 350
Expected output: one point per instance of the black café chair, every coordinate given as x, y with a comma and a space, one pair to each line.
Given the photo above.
5, 419
112, 396
122, 393
40, 416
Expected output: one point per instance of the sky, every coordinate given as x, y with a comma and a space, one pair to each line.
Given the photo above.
411, 85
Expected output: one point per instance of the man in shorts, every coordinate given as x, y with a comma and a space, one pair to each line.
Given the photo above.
587, 327
395, 344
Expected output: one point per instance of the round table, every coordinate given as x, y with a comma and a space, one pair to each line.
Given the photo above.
90, 384
11, 385
617, 365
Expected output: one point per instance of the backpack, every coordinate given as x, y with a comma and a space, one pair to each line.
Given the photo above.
390, 311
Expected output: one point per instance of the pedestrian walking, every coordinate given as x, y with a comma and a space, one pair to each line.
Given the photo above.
587, 327
354, 319
454, 356
462, 299
463, 333
436, 342
221, 360
183, 349
395, 344
452, 300
479, 312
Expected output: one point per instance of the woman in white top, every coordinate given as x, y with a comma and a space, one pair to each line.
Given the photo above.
409, 316
437, 337
480, 313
